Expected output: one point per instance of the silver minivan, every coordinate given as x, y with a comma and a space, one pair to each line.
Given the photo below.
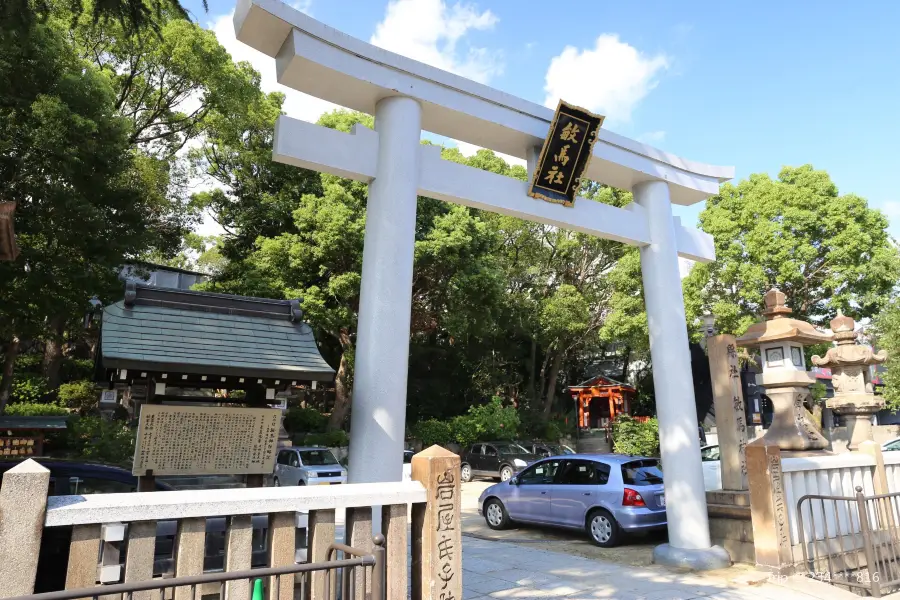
308, 466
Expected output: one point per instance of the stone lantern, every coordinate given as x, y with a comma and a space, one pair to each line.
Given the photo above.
854, 396
780, 341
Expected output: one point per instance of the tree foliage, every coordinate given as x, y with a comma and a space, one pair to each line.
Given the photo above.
824, 250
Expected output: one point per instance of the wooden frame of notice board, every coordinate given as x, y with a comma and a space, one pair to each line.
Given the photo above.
205, 440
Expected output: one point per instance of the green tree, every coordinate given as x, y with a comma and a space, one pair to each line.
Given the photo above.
164, 87
886, 336
133, 15
85, 201
824, 250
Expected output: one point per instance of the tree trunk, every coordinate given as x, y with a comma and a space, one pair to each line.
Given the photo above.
53, 351
551, 383
532, 393
343, 390
625, 364
9, 363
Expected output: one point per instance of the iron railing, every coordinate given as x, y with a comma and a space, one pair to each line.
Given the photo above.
339, 575
852, 541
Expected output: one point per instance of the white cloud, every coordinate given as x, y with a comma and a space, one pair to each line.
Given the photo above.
652, 137
430, 30
296, 104
611, 78
470, 149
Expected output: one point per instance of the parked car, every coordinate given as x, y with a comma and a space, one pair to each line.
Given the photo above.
68, 477
891, 445
546, 449
500, 460
308, 466
712, 467
605, 495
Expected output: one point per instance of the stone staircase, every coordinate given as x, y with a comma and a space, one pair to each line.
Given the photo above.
593, 442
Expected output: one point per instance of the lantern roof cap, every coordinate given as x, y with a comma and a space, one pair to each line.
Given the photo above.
778, 327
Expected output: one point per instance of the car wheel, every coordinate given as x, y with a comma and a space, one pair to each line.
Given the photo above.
465, 473
277, 483
506, 473
495, 514
301, 482
603, 529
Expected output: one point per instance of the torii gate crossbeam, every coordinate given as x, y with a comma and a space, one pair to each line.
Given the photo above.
407, 97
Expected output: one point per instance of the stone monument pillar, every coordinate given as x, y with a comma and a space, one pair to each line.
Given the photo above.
854, 396
780, 341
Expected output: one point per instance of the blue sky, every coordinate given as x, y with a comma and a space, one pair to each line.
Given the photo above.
755, 85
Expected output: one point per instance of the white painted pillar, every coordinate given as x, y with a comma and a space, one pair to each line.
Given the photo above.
378, 415
675, 404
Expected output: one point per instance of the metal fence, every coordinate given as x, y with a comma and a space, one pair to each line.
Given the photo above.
357, 576
852, 541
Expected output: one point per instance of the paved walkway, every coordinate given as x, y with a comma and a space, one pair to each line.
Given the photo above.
500, 570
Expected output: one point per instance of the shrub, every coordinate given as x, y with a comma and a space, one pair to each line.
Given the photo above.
493, 421
28, 388
75, 369
304, 420
95, 438
331, 439
80, 396
553, 432
432, 432
634, 437
35, 409
463, 430
29, 363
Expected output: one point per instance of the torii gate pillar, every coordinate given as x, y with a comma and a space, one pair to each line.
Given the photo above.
689, 540
378, 418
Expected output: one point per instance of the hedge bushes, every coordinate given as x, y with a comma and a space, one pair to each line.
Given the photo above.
94, 438
636, 438
330, 439
81, 396
299, 420
34, 409
491, 421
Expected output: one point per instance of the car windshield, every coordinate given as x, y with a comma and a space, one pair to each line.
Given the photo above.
642, 472
510, 449
317, 458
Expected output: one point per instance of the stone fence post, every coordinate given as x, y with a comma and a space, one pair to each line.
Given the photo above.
23, 502
436, 527
769, 509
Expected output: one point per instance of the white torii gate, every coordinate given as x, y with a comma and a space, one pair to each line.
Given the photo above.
406, 97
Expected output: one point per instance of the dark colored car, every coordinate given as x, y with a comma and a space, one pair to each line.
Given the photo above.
545, 449
499, 460
76, 478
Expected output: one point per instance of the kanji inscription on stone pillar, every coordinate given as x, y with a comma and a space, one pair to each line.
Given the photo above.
437, 537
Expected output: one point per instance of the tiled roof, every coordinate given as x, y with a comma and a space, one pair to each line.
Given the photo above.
158, 329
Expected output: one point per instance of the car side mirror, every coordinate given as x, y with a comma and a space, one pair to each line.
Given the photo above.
514, 481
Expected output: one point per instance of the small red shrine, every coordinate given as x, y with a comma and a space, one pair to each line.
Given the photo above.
600, 400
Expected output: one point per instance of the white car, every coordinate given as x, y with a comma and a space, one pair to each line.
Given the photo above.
308, 466
891, 445
712, 468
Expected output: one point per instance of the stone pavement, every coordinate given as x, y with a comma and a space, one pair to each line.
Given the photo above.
495, 570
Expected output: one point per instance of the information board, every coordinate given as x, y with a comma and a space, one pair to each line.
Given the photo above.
205, 440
